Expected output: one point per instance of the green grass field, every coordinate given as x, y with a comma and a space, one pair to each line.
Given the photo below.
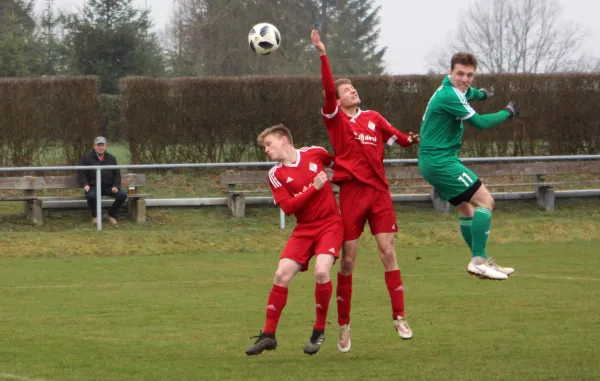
176, 299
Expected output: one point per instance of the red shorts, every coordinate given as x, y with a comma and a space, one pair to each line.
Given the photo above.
360, 203
308, 240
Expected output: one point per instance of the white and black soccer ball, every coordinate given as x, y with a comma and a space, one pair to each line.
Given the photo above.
264, 38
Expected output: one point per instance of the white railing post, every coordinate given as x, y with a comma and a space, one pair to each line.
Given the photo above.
281, 219
99, 198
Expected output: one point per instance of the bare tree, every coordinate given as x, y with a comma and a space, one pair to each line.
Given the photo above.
516, 36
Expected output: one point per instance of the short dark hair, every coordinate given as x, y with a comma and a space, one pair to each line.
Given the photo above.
340, 82
278, 129
463, 58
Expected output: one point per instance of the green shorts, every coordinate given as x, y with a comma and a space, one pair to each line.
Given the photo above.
450, 178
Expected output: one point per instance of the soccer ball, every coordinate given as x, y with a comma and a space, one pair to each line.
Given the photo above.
264, 38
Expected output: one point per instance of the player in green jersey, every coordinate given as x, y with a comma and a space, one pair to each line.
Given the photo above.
441, 140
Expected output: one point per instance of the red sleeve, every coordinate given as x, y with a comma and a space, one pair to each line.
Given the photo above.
282, 196
330, 108
292, 205
280, 193
324, 157
391, 134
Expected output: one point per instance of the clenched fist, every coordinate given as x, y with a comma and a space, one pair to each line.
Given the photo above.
320, 180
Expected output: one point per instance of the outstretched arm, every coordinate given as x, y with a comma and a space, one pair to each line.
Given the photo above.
479, 95
456, 104
483, 122
330, 106
391, 135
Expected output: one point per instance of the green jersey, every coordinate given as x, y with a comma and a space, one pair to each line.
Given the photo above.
442, 126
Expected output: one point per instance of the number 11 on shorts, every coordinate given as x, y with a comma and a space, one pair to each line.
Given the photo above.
464, 177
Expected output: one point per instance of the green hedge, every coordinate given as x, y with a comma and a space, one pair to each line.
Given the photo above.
47, 116
217, 119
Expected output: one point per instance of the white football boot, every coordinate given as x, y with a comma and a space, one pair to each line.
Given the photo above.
495, 266
402, 327
343, 342
480, 268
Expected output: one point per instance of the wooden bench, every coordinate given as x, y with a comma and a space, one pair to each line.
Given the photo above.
34, 203
533, 175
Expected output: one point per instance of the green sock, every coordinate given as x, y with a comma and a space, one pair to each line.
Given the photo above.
480, 229
465, 229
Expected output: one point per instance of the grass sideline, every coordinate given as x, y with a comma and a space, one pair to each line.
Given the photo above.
186, 315
177, 298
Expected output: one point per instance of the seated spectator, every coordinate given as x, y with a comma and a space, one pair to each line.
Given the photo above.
111, 180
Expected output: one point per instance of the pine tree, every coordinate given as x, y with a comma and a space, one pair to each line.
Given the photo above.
113, 39
353, 36
19, 50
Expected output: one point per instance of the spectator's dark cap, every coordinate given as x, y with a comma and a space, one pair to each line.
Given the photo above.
100, 140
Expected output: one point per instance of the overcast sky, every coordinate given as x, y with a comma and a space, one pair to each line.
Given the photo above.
413, 29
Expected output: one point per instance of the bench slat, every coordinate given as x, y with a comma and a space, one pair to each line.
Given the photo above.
60, 182
507, 169
22, 198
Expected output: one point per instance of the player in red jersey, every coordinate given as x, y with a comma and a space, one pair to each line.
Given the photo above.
358, 138
300, 186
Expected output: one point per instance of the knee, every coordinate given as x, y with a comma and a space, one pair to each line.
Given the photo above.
487, 202
282, 278
387, 251
90, 196
347, 264
322, 275
121, 196
348, 259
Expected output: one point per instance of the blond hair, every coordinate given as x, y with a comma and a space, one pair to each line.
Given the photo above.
278, 129
340, 82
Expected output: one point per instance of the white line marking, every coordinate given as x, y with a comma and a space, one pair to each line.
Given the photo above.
121, 284
19, 378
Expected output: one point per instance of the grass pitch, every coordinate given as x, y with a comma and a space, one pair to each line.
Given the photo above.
176, 299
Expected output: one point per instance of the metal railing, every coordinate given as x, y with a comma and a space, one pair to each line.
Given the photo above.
99, 168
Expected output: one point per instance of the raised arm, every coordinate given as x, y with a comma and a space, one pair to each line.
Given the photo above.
330, 106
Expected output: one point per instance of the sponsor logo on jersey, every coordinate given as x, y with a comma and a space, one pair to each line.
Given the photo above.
366, 139
304, 189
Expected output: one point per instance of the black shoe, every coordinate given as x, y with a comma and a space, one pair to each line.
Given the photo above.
315, 342
264, 341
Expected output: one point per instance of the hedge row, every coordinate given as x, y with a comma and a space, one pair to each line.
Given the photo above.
46, 120
207, 119
217, 119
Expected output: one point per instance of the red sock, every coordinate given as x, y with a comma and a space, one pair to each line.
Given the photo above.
275, 303
396, 290
322, 297
344, 297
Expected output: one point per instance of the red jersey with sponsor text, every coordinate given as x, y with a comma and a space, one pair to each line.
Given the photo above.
294, 180
358, 141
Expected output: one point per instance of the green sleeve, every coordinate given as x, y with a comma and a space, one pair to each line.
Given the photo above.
483, 122
455, 103
475, 95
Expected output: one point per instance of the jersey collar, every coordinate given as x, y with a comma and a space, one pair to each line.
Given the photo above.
353, 118
297, 160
